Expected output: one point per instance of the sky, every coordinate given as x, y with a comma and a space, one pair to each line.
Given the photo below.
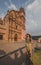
32, 13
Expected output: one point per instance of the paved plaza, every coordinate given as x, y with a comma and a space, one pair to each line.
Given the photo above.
12, 53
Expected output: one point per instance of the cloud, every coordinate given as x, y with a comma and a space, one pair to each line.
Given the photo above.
33, 17
8, 6
2, 12
11, 5
34, 5
2, 15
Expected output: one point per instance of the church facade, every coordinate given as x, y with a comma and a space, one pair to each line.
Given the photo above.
12, 27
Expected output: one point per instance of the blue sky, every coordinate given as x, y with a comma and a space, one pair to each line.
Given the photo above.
32, 9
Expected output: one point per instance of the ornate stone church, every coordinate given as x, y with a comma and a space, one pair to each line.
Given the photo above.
12, 26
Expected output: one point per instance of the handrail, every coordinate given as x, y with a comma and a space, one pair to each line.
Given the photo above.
11, 52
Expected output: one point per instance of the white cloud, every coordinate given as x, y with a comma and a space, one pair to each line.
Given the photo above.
35, 4
11, 5
33, 17
2, 13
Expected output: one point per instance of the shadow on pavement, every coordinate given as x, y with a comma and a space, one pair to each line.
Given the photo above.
8, 60
28, 59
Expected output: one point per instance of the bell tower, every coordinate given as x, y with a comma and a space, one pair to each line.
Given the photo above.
22, 16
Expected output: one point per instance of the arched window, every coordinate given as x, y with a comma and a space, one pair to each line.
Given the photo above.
15, 37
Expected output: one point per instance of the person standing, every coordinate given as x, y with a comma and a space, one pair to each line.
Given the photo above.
29, 45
